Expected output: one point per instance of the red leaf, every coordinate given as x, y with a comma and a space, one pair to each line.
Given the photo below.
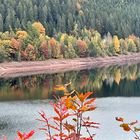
56, 110
44, 129
20, 135
119, 119
54, 127
92, 108
125, 127
88, 94
90, 101
65, 116
25, 136
56, 118
43, 115
30, 134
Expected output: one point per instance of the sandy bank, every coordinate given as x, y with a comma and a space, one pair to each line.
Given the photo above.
14, 69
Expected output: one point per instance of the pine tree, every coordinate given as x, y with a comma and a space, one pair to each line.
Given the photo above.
1, 23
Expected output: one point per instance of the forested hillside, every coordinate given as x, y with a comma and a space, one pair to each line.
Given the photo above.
34, 44
119, 17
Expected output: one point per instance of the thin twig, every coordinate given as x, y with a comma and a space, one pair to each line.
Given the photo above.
88, 131
49, 131
138, 138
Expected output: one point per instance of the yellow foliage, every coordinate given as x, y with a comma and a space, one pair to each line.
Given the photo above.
102, 45
131, 42
60, 88
96, 37
5, 36
136, 129
42, 38
47, 37
116, 43
21, 34
62, 38
5, 43
39, 27
133, 74
81, 13
71, 39
118, 76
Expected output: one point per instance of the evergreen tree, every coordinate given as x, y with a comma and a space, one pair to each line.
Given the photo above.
1, 23
115, 16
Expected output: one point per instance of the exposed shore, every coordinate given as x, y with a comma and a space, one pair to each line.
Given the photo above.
14, 69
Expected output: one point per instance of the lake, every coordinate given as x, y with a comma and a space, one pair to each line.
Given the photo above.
117, 89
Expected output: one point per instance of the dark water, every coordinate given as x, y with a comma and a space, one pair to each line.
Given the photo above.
107, 82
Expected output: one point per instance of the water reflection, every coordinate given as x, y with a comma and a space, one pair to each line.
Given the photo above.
3, 125
112, 81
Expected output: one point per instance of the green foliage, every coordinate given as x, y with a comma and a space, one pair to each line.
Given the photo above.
33, 44
119, 17
3, 55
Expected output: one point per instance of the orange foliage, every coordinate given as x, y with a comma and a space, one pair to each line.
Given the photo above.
24, 54
82, 45
129, 127
21, 34
82, 97
30, 47
78, 104
44, 49
125, 127
30, 50
52, 42
16, 44
69, 103
133, 37
60, 88
29, 53
39, 27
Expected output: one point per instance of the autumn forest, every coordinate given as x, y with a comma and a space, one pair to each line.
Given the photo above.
40, 30
69, 69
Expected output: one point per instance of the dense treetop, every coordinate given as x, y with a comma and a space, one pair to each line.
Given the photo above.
119, 17
33, 44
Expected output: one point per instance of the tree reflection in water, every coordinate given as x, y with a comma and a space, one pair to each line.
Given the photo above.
112, 81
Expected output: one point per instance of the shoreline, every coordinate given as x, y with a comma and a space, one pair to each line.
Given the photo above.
25, 68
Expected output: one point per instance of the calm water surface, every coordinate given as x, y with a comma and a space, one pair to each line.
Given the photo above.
22, 97
107, 82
